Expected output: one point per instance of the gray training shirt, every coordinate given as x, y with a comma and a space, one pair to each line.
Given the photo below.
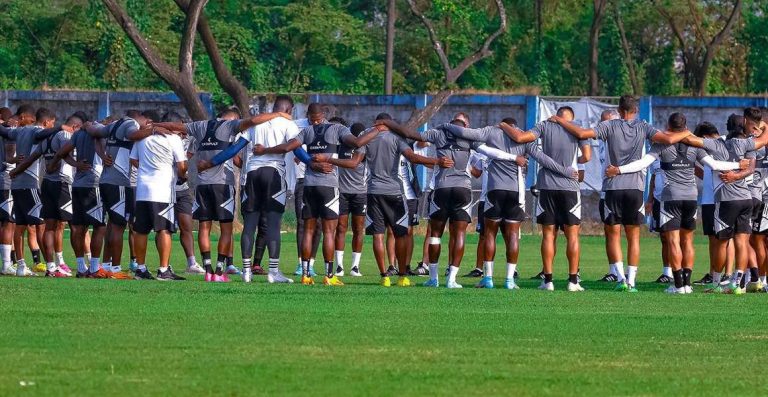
25, 145
48, 148
118, 146
625, 143
677, 162
730, 150
210, 138
323, 139
758, 187
86, 152
454, 148
383, 161
352, 180
563, 148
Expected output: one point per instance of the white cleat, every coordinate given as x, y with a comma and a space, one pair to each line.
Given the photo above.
355, 272
673, 290
547, 286
195, 269
339, 272
23, 271
9, 271
278, 277
575, 287
247, 276
453, 284
688, 289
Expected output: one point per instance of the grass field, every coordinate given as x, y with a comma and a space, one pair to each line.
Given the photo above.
105, 337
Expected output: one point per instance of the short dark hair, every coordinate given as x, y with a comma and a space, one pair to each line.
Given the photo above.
629, 104
734, 123
229, 110
706, 129
357, 129
133, 113
172, 117
462, 114
383, 116
753, 114
43, 114
152, 115
74, 117
81, 115
459, 122
564, 109
677, 122
25, 109
338, 120
315, 108
283, 103
510, 121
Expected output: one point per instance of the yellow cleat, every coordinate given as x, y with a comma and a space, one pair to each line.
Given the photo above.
385, 282
40, 268
332, 281
306, 280
403, 282
755, 286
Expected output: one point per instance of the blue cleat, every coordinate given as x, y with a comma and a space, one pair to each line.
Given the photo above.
485, 282
431, 283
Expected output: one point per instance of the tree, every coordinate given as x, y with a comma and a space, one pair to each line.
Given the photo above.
627, 53
693, 27
391, 15
451, 73
599, 7
181, 81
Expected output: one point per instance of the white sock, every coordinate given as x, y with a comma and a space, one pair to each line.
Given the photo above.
94, 265
762, 279
488, 269
117, 269
5, 252
163, 269
716, 277
87, 257
22, 263
340, 259
274, 266
667, 271
356, 259
311, 263
619, 266
511, 267
60, 258
142, 268
631, 275
81, 268
191, 261
433, 271
612, 269
51, 266
452, 271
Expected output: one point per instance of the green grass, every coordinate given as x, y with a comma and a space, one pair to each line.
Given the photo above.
103, 337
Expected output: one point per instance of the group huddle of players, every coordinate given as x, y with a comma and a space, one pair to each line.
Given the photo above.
131, 174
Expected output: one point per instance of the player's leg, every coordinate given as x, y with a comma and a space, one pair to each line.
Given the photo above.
358, 236
675, 256
379, 254
329, 235
140, 249
689, 254
757, 241
273, 219
204, 244
612, 211
187, 240
437, 226
251, 221
490, 229
35, 235
97, 243
298, 205
306, 250
391, 257
224, 247
480, 254
341, 242
632, 234
511, 233
457, 229
573, 253
548, 252
260, 248
49, 242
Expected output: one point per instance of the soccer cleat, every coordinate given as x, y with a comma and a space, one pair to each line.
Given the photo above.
143, 275
475, 273
100, 274
258, 270
195, 269
510, 284
120, 276
674, 290
713, 289
64, 268
355, 272
82, 274
631, 289
339, 271
56, 274
298, 270
391, 271
575, 287
233, 270
247, 276
133, 266
220, 278
40, 268
279, 278
453, 285
23, 271
539, 276
755, 286
688, 289
9, 271
621, 287
733, 289
332, 281
707, 279
307, 280
547, 286
609, 278
664, 279
447, 271
168, 275
403, 282
421, 270
208, 277
725, 280
431, 283
311, 271
385, 282
485, 282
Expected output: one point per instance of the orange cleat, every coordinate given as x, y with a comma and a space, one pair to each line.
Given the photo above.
100, 274
121, 276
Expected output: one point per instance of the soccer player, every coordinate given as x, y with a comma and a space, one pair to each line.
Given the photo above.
609, 114
478, 167
505, 201
652, 207
410, 189
754, 125
623, 205
352, 204
7, 223
678, 206
560, 197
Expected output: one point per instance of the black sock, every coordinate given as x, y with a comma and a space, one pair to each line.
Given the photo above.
230, 261
573, 278
133, 258
36, 256
687, 277
678, 276
753, 274
742, 281
207, 261
329, 270
383, 274
13, 256
547, 277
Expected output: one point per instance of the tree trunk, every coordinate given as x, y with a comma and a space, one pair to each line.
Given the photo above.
627, 54
388, 68
421, 116
594, 42
190, 99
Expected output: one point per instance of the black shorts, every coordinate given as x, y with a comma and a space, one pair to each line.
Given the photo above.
87, 209
151, 216
413, 212
677, 214
264, 190
451, 203
623, 207
185, 200
352, 204
387, 211
708, 219
118, 202
6, 206
559, 207
732, 217
320, 202
480, 226
214, 203
504, 205
27, 206
759, 217
57, 200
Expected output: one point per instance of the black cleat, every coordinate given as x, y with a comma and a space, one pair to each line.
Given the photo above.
168, 275
725, 280
707, 279
475, 273
609, 278
539, 276
422, 270
143, 275
391, 271
664, 279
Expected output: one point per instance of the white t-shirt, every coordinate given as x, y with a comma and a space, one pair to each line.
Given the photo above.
272, 133
480, 161
157, 155
404, 170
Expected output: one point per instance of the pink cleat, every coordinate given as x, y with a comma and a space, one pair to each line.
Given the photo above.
209, 276
64, 268
220, 278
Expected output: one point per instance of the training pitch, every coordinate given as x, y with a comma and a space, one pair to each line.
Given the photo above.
109, 337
